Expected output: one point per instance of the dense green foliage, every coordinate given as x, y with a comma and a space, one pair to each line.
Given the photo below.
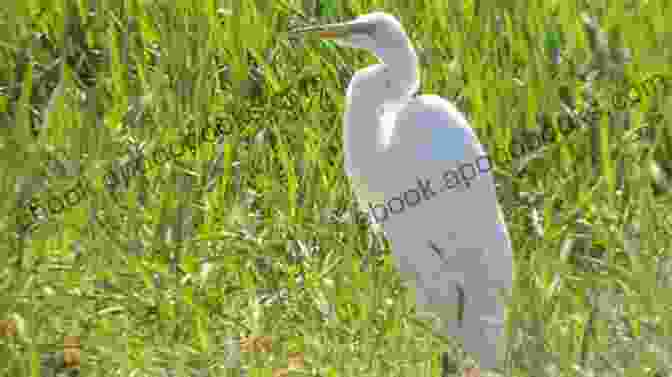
253, 229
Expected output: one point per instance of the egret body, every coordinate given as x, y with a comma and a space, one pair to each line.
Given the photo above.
420, 172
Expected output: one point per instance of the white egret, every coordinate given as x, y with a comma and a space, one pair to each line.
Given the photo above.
421, 173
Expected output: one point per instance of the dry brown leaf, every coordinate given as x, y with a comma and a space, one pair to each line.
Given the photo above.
264, 344
71, 352
282, 372
295, 360
8, 327
256, 344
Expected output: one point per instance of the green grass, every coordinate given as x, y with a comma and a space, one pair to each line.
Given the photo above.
269, 205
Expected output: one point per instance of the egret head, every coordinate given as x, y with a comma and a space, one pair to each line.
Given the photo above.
383, 35
374, 32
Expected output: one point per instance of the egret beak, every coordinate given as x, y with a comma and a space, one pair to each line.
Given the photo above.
337, 31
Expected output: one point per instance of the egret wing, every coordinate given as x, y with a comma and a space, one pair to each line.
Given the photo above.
441, 217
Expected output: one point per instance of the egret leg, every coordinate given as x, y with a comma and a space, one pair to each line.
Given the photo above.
484, 326
474, 312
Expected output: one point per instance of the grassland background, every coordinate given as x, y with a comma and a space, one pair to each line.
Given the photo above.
257, 233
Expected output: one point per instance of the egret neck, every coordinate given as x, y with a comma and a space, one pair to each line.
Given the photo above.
401, 68
373, 91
